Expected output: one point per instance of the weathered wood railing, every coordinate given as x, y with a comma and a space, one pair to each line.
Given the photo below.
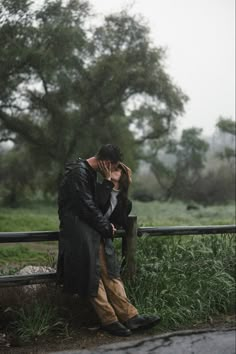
128, 245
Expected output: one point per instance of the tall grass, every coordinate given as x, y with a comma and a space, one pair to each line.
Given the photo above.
36, 311
185, 281
35, 320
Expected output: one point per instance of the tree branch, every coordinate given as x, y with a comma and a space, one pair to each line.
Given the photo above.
32, 134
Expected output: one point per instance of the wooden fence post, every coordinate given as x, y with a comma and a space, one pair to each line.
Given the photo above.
129, 245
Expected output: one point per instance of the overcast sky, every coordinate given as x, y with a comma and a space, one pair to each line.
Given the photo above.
200, 37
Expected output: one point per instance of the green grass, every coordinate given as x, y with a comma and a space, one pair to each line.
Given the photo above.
185, 281
36, 320
14, 257
175, 213
35, 217
43, 217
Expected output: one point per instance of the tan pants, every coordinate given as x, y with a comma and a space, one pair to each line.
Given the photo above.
111, 303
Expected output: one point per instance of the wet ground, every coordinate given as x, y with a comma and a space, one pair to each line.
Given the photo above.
186, 342
88, 340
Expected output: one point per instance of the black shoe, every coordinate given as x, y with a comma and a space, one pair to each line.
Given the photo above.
142, 322
117, 329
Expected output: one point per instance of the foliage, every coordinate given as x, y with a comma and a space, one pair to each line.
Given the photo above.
66, 87
144, 187
215, 187
187, 158
36, 320
17, 176
184, 280
227, 127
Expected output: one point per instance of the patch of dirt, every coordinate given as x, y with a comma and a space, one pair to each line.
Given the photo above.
84, 338
87, 338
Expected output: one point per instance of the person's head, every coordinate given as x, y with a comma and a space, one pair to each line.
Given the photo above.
122, 175
110, 154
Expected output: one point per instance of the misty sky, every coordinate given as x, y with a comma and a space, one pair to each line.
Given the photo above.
200, 37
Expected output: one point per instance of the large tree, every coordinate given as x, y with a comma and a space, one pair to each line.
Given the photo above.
67, 86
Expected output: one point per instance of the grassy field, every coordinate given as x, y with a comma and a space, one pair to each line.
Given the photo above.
176, 213
36, 217
33, 217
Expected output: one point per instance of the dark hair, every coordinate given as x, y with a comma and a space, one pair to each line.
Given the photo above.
124, 183
109, 152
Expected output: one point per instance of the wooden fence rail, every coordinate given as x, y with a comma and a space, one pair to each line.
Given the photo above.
128, 245
187, 230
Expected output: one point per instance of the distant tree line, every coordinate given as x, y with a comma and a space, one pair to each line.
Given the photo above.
187, 170
69, 84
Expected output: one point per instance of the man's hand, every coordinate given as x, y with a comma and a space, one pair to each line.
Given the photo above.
113, 229
105, 169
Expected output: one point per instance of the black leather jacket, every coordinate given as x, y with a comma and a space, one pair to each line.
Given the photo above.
77, 196
82, 228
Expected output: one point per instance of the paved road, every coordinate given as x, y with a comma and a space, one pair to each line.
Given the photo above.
186, 342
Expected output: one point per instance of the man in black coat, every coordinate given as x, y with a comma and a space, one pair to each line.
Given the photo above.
84, 231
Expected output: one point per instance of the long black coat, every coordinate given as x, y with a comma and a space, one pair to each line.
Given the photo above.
82, 227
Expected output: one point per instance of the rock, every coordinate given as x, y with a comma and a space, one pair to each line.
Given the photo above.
32, 270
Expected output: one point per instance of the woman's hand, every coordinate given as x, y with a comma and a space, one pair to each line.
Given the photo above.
105, 169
